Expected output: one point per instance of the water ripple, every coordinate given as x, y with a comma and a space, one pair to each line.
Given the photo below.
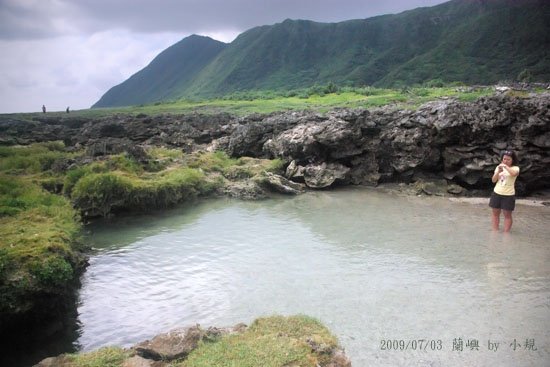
369, 265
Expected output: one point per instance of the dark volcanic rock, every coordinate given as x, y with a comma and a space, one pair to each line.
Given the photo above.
446, 139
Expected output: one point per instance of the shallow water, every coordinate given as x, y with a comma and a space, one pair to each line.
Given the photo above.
371, 266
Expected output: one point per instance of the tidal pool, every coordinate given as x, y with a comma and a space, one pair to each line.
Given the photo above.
400, 280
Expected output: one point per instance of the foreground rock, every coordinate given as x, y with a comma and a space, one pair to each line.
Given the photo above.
177, 344
170, 349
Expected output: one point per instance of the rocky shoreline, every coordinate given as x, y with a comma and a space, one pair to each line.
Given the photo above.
446, 141
444, 148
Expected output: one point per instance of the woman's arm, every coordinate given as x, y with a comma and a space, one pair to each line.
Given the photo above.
513, 171
495, 175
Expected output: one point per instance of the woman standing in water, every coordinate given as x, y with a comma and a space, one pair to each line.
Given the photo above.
503, 197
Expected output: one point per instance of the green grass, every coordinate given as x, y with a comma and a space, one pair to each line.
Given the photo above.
37, 233
269, 342
104, 357
39, 228
32, 159
274, 341
263, 102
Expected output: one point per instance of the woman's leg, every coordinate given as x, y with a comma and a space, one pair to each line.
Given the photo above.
496, 219
507, 220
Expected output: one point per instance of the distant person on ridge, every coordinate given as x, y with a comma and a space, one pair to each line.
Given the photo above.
67, 110
503, 196
43, 109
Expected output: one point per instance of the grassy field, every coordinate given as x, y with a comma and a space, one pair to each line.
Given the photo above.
317, 99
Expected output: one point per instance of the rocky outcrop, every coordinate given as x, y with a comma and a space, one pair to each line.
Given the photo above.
282, 185
458, 142
176, 345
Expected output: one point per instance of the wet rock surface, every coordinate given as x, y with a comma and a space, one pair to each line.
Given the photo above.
458, 142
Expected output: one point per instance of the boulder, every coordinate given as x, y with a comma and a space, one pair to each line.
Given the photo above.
318, 176
137, 361
282, 185
60, 361
294, 172
172, 345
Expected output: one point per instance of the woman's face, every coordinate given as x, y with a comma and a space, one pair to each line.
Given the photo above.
507, 160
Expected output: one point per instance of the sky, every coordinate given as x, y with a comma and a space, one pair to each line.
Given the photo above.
68, 53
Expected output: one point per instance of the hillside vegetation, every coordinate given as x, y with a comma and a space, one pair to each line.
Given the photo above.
317, 98
472, 42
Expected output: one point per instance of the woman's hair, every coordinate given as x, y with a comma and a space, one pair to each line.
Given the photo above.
510, 153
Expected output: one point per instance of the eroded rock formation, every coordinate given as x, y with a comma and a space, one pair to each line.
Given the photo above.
456, 141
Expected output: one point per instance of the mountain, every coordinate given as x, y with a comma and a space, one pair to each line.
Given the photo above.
470, 41
167, 75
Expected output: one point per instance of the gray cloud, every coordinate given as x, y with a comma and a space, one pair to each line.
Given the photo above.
70, 52
27, 19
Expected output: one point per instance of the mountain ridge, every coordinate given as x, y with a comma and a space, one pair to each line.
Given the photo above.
468, 41
162, 76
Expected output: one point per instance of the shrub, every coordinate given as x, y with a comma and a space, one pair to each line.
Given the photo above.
99, 193
525, 76
435, 83
71, 178
31, 159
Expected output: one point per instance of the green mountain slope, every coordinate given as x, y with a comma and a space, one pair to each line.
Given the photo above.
484, 42
471, 41
167, 75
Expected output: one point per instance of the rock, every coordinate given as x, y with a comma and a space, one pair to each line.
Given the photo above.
542, 141
455, 189
60, 361
248, 190
297, 143
337, 355
172, 345
295, 172
280, 184
502, 89
339, 359
458, 141
137, 361
214, 333
238, 328
178, 343
323, 175
62, 165
436, 187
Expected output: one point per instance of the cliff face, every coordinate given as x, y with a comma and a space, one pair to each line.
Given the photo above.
456, 141
459, 142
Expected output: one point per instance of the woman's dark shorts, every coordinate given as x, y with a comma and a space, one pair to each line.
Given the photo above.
503, 202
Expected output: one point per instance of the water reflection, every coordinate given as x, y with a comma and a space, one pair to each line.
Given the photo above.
370, 265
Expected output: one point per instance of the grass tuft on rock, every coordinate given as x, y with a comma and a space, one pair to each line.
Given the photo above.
37, 233
104, 357
275, 341
269, 342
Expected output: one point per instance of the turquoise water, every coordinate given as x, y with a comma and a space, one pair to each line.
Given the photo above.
373, 267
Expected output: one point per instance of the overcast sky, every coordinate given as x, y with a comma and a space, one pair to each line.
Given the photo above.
70, 52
